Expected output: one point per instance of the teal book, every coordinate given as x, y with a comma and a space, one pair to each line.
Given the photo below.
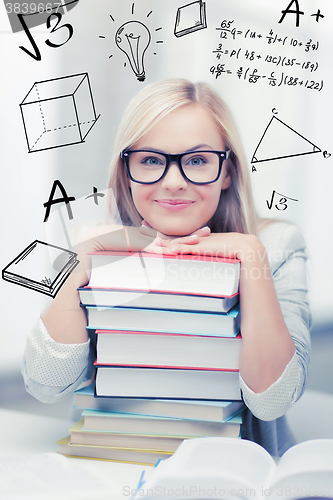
218, 411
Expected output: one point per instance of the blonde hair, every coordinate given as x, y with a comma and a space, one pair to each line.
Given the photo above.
235, 211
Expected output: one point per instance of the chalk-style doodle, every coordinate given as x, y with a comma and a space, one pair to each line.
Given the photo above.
281, 141
133, 38
297, 12
318, 15
58, 16
95, 195
190, 17
293, 67
58, 112
282, 203
35, 13
54, 201
41, 267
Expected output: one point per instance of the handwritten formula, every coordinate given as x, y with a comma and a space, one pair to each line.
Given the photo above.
268, 58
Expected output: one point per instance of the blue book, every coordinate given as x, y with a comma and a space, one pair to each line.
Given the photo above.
166, 321
167, 383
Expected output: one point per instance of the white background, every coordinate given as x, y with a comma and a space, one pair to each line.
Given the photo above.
27, 178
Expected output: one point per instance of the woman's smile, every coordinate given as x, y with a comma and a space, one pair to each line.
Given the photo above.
174, 205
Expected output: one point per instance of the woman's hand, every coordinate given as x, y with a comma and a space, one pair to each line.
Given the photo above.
128, 238
203, 242
173, 244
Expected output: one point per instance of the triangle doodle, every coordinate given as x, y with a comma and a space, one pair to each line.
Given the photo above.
281, 141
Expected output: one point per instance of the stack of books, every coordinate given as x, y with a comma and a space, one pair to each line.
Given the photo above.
168, 344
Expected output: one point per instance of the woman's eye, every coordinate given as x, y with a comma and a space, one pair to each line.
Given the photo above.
152, 160
196, 161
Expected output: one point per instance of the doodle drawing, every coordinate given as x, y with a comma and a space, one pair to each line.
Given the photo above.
133, 38
58, 112
282, 201
41, 267
281, 141
190, 17
35, 13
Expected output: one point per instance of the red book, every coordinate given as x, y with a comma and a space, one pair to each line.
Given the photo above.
188, 274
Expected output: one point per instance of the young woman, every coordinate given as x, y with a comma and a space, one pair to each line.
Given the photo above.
182, 185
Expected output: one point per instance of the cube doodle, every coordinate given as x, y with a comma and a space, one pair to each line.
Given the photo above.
58, 112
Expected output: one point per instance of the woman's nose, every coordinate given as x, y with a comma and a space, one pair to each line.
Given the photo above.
173, 179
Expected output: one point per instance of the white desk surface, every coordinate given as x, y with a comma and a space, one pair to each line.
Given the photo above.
23, 435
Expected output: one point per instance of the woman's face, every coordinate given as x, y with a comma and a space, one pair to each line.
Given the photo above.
174, 206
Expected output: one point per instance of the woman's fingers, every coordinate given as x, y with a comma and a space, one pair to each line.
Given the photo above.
203, 231
172, 245
194, 238
175, 242
149, 231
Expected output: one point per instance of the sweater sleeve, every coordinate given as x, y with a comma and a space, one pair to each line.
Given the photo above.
52, 370
287, 258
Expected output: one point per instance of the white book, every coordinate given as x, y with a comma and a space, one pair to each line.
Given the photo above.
103, 421
160, 320
213, 468
167, 350
193, 274
111, 297
167, 383
218, 411
145, 441
112, 453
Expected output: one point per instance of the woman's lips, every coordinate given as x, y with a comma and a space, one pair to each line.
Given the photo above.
174, 205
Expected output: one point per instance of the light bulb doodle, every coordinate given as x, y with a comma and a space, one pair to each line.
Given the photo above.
133, 38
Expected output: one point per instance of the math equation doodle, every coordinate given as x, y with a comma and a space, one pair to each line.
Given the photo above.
133, 39
282, 203
41, 267
24, 16
35, 13
190, 18
58, 112
266, 57
290, 143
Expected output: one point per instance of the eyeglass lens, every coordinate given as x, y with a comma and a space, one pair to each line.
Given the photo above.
199, 166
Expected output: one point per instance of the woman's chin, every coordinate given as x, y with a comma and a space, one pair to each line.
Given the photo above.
172, 233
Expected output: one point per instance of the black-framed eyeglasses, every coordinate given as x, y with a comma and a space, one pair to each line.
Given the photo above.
199, 167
